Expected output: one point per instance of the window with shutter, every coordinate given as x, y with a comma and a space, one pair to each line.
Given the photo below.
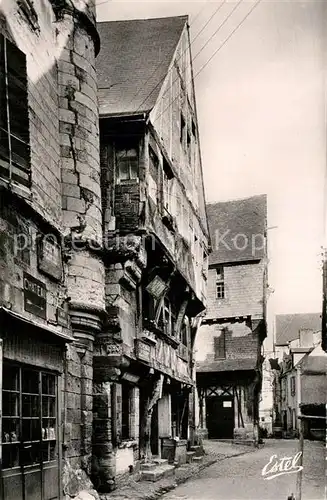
14, 123
219, 346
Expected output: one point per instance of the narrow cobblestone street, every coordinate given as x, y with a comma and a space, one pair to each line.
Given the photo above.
239, 477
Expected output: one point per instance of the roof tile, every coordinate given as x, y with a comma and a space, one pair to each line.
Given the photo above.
241, 221
133, 61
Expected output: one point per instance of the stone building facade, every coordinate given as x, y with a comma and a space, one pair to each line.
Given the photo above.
156, 246
52, 278
229, 343
300, 373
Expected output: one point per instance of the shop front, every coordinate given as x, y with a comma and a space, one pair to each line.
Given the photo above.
31, 365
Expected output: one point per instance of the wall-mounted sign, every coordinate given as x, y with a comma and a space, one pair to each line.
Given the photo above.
49, 256
157, 287
62, 317
143, 351
227, 404
35, 296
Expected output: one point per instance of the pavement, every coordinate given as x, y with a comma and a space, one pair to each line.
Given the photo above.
240, 477
145, 490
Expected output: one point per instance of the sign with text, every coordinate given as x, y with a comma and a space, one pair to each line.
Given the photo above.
62, 317
35, 296
49, 257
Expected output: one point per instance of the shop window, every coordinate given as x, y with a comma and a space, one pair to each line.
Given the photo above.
14, 120
220, 283
126, 393
126, 161
29, 423
220, 346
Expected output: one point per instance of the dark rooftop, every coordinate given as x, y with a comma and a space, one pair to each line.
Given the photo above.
242, 222
133, 61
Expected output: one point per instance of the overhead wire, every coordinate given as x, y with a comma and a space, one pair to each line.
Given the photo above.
181, 55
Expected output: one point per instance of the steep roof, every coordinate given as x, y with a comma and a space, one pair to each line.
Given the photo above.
288, 326
246, 217
134, 58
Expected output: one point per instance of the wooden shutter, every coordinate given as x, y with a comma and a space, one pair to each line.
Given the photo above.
219, 346
18, 114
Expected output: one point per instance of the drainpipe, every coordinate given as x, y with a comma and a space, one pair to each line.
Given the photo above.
298, 391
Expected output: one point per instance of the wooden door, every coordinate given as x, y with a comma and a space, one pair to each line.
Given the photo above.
220, 417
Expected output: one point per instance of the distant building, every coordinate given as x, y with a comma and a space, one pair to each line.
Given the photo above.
302, 381
297, 335
156, 245
228, 345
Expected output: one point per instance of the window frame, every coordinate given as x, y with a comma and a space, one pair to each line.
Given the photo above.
292, 385
125, 148
48, 440
15, 161
220, 283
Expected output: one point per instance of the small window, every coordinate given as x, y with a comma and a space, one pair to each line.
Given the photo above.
126, 407
167, 318
153, 164
292, 386
184, 331
126, 163
219, 346
193, 129
182, 130
220, 284
189, 148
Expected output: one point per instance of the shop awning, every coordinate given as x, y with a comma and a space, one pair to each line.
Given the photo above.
36, 324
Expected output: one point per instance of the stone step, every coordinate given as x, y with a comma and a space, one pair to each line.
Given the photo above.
147, 466
160, 461
158, 472
246, 442
197, 459
189, 456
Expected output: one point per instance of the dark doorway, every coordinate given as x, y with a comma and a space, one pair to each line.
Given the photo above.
220, 417
154, 432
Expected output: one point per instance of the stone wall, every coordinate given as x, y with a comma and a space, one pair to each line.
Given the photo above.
244, 291
64, 200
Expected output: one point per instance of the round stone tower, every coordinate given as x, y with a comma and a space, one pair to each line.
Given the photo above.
78, 44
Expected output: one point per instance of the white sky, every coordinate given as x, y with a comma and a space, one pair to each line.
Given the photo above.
261, 110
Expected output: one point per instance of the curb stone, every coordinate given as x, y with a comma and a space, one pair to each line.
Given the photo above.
161, 490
